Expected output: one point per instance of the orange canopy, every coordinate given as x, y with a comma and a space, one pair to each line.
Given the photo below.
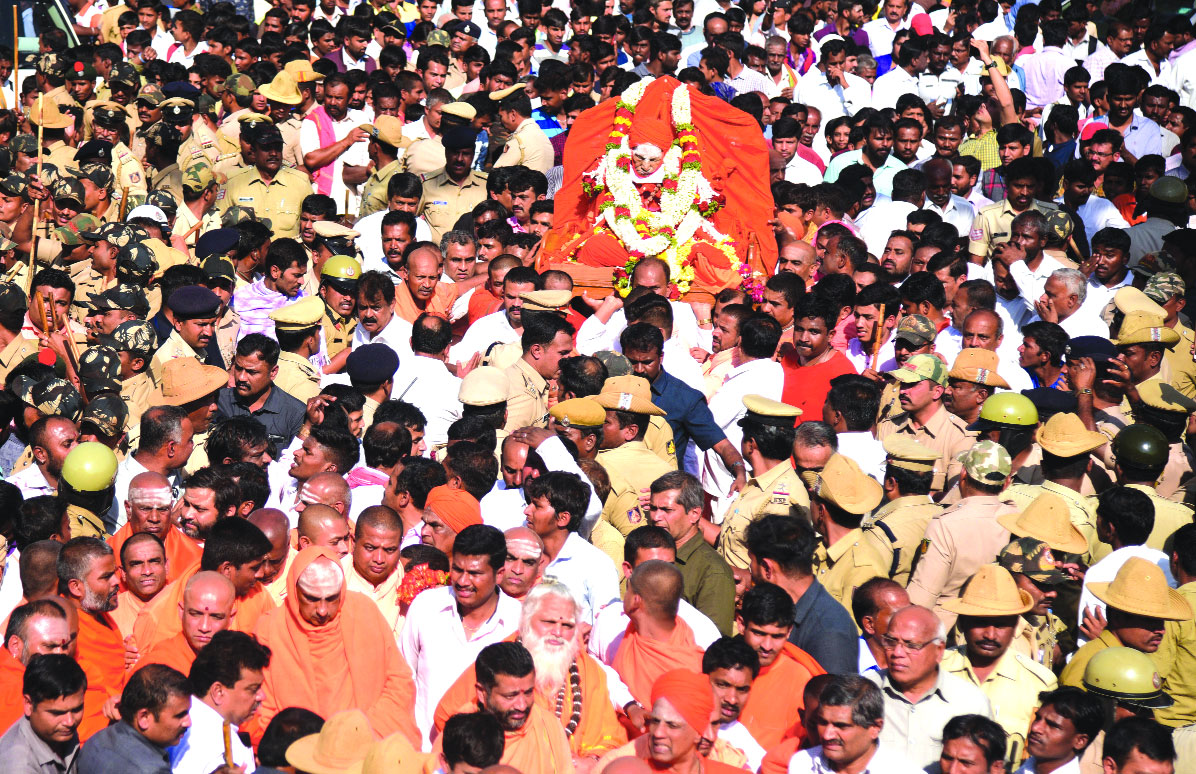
350, 663
773, 708
639, 660
101, 653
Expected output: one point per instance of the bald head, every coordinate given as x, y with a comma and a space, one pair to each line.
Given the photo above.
321, 577
148, 486
628, 765
658, 586
524, 542
39, 569
378, 518
207, 607
273, 523
329, 489
323, 525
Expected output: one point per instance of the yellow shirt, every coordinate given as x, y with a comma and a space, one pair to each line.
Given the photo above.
846, 565
896, 530
944, 432
631, 467
278, 201
776, 492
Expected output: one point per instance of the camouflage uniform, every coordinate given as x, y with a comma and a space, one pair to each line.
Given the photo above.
135, 339
1036, 636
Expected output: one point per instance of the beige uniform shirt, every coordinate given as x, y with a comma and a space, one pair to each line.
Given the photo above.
170, 179
958, 542
135, 392
130, 174
527, 397
776, 492
59, 154
338, 334
297, 376
373, 190
204, 143
444, 201
1082, 511
659, 438
944, 432
278, 200
423, 156
527, 146
174, 347
22, 346
993, 224
292, 154
896, 531
1179, 357
845, 565
631, 467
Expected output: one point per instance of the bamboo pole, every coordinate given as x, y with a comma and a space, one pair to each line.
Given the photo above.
37, 202
878, 336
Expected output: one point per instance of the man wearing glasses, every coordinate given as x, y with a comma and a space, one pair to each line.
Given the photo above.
919, 696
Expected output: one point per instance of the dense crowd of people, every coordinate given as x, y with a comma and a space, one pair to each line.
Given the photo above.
324, 451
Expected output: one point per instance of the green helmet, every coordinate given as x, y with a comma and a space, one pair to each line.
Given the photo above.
89, 467
1006, 409
1127, 675
1141, 446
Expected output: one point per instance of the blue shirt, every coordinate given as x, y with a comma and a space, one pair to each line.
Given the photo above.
687, 413
119, 749
548, 123
824, 629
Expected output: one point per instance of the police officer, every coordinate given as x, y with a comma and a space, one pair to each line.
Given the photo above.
631, 466
1010, 419
104, 421
922, 382
53, 123
528, 145
114, 306
13, 306
51, 76
272, 190
1168, 290
896, 529
1034, 569
426, 155
338, 289
774, 487
456, 189
1142, 454
237, 98
198, 215
283, 100
329, 238
220, 279
162, 142
111, 124
386, 147
297, 327
86, 483
192, 311
204, 141
1163, 406
134, 342
994, 223
840, 496
148, 105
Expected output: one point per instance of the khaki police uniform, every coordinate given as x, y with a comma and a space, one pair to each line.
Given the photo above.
292, 154
59, 154
278, 200
84, 523
227, 327
1012, 688
297, 376
61, 96
174, 347
945, 433
338, 333
847, 564
373, 190
608, 540
135, 392
170, 179
659, 438
529, 146
444, 201
22, 346
88, 283
423, 156
1037, 636
129, 174
1179, 358
631, 467
993, 224
221, 153
527, 397
776, 492
1176, 473
896, 531
1081, 510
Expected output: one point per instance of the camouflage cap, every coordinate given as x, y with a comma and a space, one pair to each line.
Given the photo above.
125, 296
107, 413
134, 336
100, 175
151, 93
1164, 286
165, 201
68, 189
237, 213
162, 134
240, 84
117, 234
14, 184
987, 463
135, 261
921, 367
616, 363
439, 38
51, 174
52, 397
123, 72
916, 329
52, 64
1033, 558
72, 233
24, 143
199, 176
12, 298
99, 369
205, 104
6, 244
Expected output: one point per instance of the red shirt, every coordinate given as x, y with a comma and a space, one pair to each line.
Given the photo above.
806, 386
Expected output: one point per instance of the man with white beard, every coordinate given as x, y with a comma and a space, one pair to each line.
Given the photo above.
570, 683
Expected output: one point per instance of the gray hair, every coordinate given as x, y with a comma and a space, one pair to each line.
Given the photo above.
542, 591
1075, 281
810, 434
689, 495
861, 694
457, 238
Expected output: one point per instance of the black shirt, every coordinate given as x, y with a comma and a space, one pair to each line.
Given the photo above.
281, 413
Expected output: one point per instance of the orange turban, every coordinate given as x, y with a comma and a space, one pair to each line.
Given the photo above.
690, 694
650, 130
456, 506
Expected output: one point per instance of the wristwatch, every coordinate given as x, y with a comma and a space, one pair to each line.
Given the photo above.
990, 65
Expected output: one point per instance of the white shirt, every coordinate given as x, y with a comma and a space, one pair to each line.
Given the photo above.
1099, 295
867, 660
1105, 570
1164, 77
426, 383
611, 624
737, 735
883, 761
396, 335
373, 258
798, 170
161, 42
594, 335
1032, 282
1098, 213
889, 87
678, 362
32, 482
1183, 78
416, 130
434, 644
502, 508
959, 212
1071, 767
201, 750
867, 452
861, 356
880, 35
833, 101
878, 222
354, 155
1086, 321
755, 377
992, 30
589, 574
186, 60
494, 328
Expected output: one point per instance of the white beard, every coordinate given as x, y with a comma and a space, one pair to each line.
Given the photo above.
552, 662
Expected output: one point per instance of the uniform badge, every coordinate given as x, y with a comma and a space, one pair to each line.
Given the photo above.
976, 234
135, 177
671, 447
634, 516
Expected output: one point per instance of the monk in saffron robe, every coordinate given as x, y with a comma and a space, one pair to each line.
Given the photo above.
535, 741
773, 709
237, 550
373, 568
87, 576
657, 640
274, 525
143, 572
209, 603
148, 510
421, 291
36, 628
549, 631
332, 651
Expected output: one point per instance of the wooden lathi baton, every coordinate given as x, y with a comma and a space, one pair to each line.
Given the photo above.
37, 203
228, 744
877, 337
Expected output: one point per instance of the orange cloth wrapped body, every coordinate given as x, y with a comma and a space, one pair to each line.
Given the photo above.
175, 653
640, 660
773, 708
12, 678
351, 662
599, 729
128, 607
159, 620
638, 748
540, 747
440, 304
181, 551
734, 161
776, 760
101, 653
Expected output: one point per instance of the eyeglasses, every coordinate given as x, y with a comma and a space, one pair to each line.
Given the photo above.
891, 643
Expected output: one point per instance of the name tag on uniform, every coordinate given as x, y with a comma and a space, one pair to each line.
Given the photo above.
438, 201
245, 199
